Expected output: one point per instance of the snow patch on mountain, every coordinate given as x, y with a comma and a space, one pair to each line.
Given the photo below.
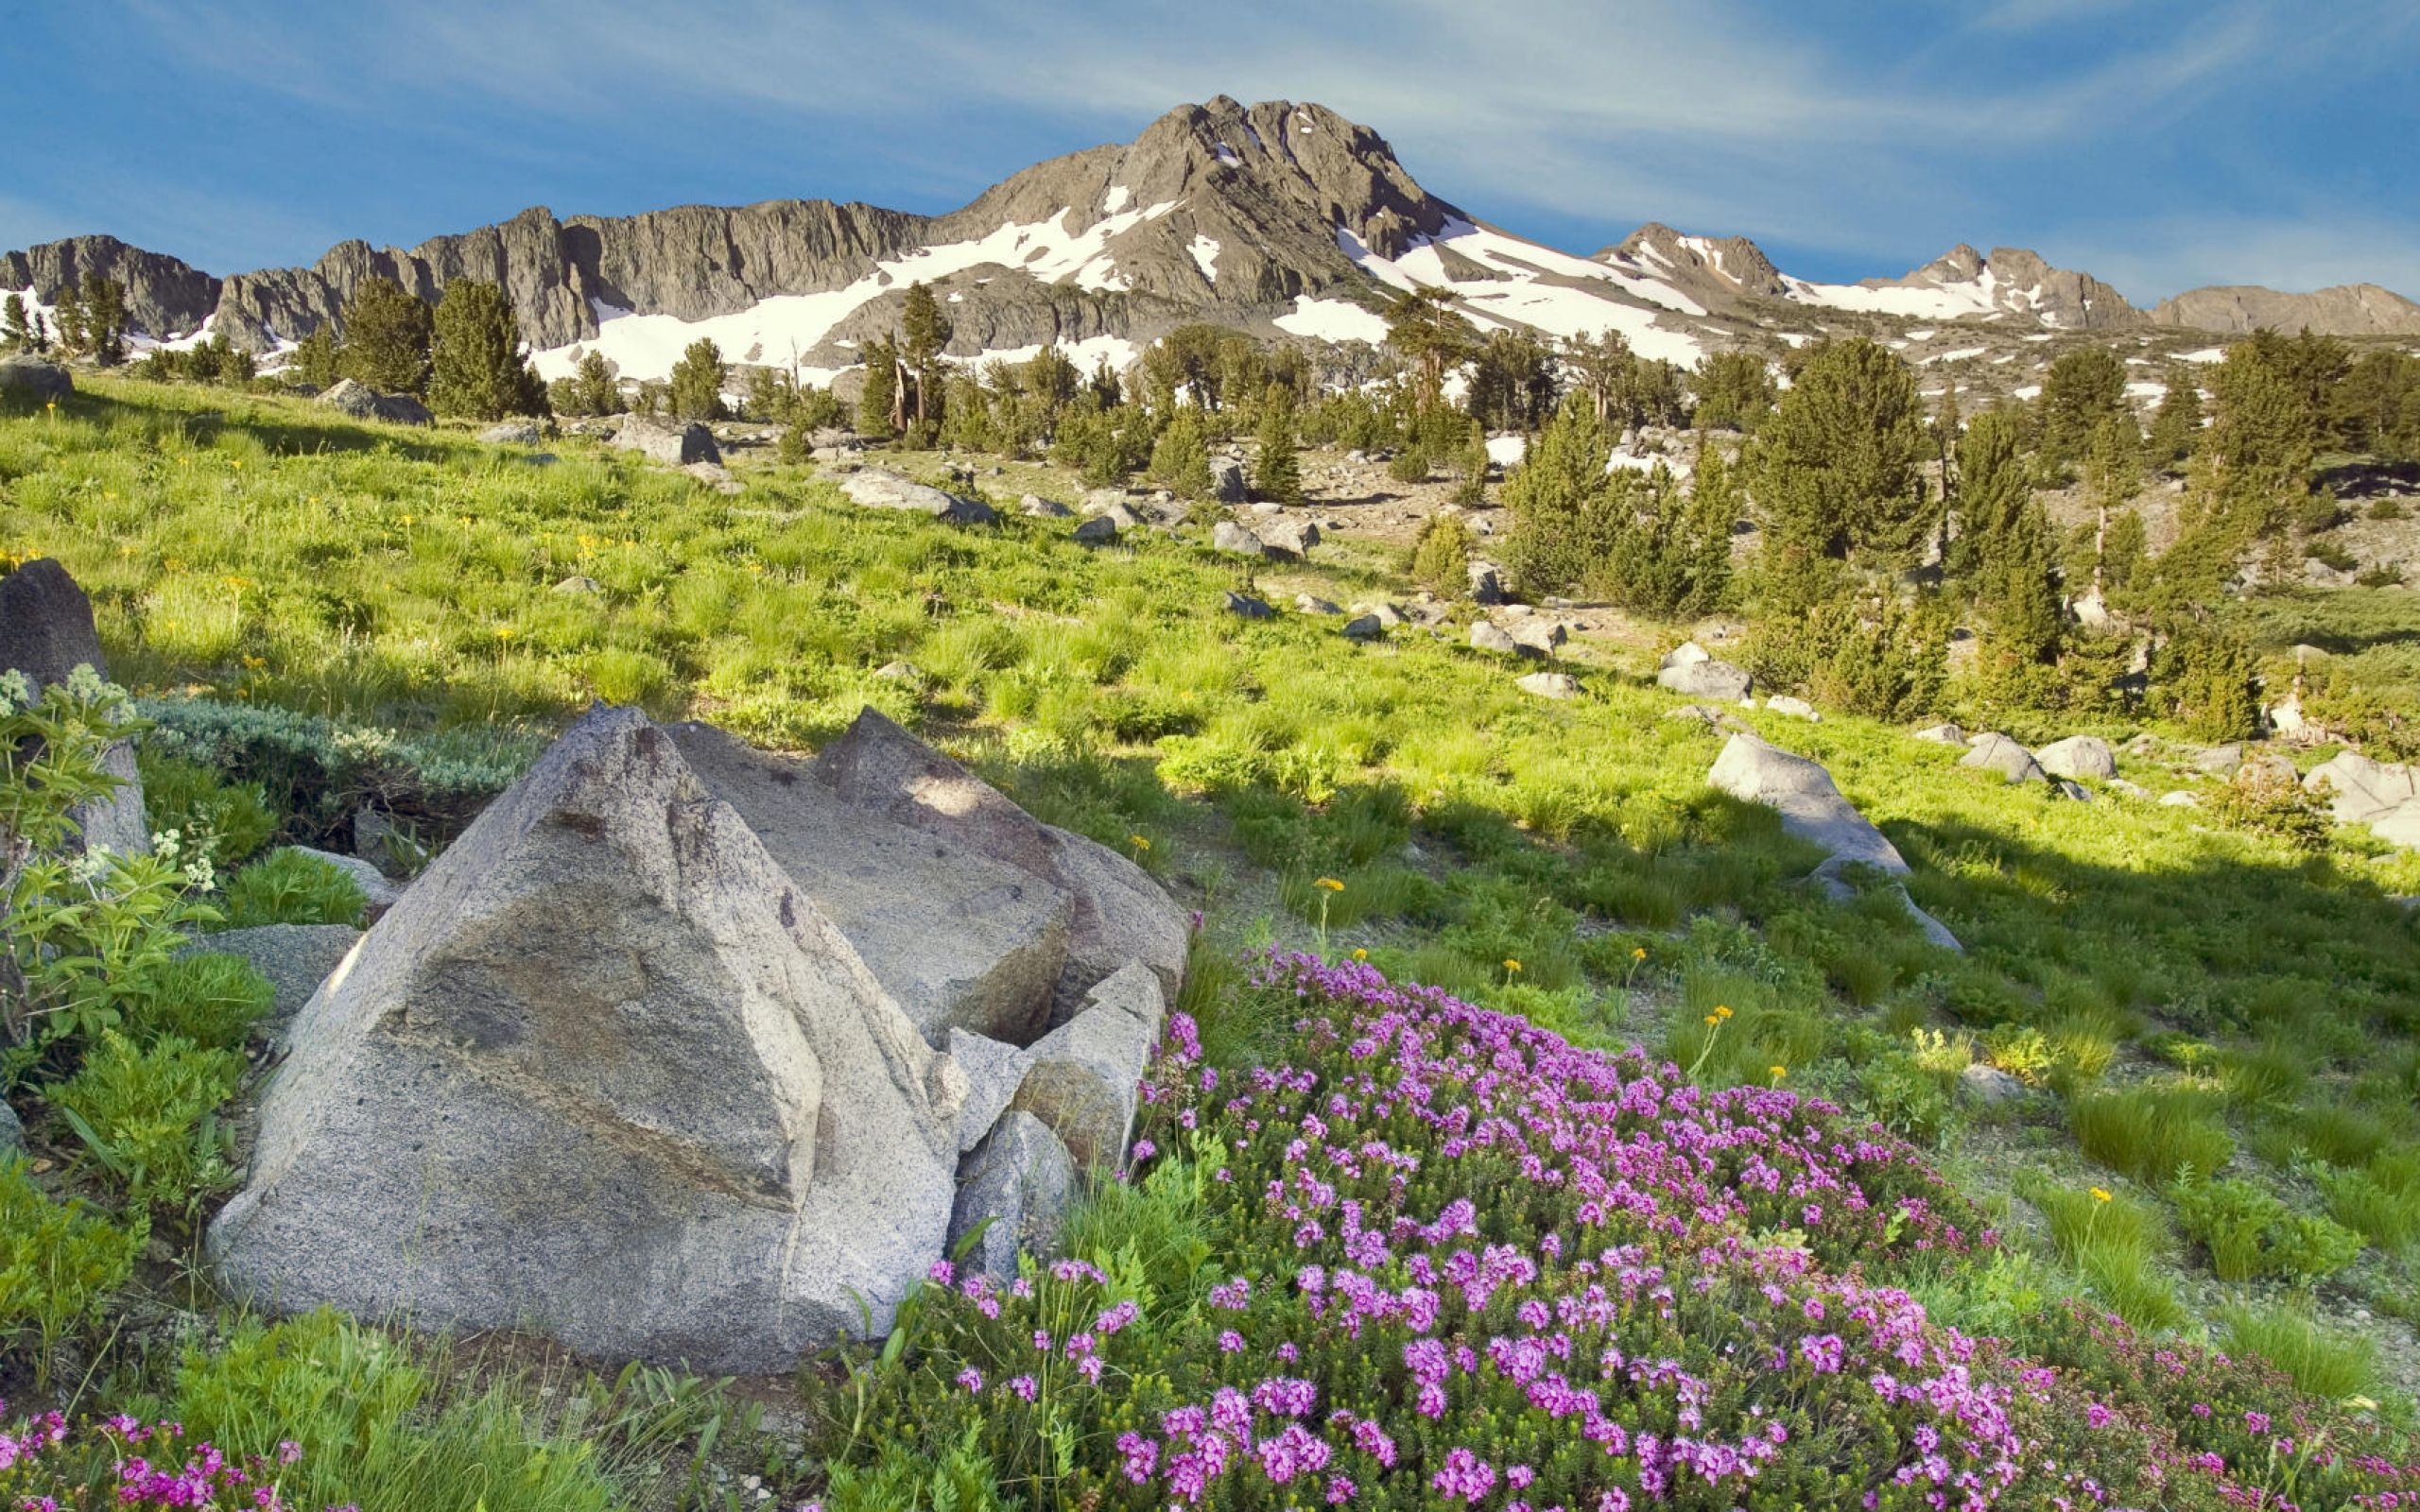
1206, 256
1944, 301
1534, 286
1332, 321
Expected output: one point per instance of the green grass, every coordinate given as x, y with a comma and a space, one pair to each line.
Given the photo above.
2326, 1361
306, 590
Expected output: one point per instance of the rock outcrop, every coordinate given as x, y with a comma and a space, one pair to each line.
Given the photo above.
2079, 756
350, 397
1995, 753
673, 445
2346, 310
876, 489
2383, 795
1813, 809
1691, 670
28, 379
46, 632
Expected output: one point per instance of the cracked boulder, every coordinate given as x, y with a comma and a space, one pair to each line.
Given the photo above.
606, 1075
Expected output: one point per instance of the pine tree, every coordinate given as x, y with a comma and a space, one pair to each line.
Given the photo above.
923, 331
386, 334
2176, 426
696, 389
1734, 390
878, 400
2113, 467
16, 333
1563, 525
105, 320
599, 392
1180, 457
69, 312
1277, 472
1836, 467
478, 367
2084, 386
1714, 513
317, 361
2021, 613
1469, 482
1601, 367
1426, 331
1993, 485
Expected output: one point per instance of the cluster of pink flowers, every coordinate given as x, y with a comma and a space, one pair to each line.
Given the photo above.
1478, 1261
152, 1469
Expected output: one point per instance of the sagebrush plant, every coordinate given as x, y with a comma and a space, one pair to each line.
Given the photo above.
1655, 1304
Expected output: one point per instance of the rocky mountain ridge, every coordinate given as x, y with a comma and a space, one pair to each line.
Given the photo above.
1280, 217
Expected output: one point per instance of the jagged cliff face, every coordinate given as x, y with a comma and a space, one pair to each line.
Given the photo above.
164, 296
1280, 217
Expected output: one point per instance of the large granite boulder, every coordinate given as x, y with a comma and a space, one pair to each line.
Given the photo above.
1812, 808
46, 632
1995, 753
1231, 536
29, 379
608, 1075
1120, 914
12, 1134
1227, 483
961, 940
2079, 756
2360, 790
665, 442
1082, 1082
874, 487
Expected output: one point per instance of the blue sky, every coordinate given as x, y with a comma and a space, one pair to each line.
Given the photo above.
2161, 144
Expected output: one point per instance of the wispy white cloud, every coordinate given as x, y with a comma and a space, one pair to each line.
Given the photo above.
1882, 140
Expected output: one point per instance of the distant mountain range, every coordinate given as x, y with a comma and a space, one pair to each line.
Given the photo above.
1278, 217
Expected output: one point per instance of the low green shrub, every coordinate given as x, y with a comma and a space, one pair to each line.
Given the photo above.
59, 1262
290, 887
146, 1113
2380, 1201
2250, 1233
211, 998
227, 822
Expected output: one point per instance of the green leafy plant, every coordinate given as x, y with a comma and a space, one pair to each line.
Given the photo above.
2250, 1233
148, 1114
290, 887
58, 1261
225, 820
211, 998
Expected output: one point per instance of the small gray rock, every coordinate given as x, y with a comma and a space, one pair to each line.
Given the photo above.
1097, 531
1942, 735
716, 476
1035, 506
899, 672
1794, 708
2180, 798
1364, 628
1083, 1079
2072, 790
1021, 1178
1386, 615
1227, 483
2126, 789
381, 893
1247, 607
1705, 677
514, 432
1556, 685
2219, 760
1236, 538
1292, 535
993, 1070
580, 583
1486, 583
1313, 603
1988, 1086
12, 1134
877, 488
1540, 637
1486, 635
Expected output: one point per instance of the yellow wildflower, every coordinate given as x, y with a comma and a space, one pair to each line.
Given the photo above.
2100, 1195
1511, 965
1330, 883
1779, 1071
1722, 1012
1139, 842
1639, 954
1359, 953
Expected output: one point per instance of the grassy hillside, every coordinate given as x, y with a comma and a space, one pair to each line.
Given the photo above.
2218, 1029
